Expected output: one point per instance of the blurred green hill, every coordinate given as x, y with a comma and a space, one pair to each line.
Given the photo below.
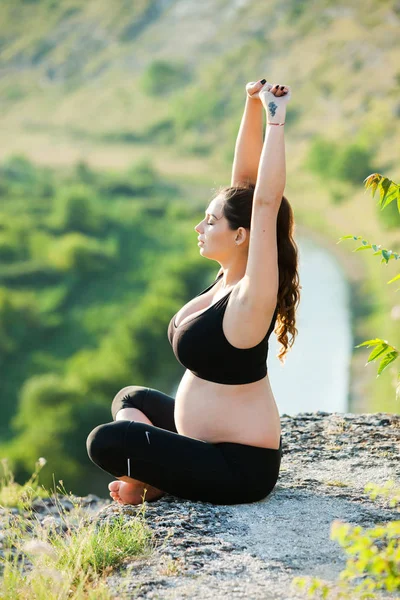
116, 121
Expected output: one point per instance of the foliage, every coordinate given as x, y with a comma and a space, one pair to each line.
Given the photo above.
388, 192
19, 315
374, 554
75, 210
71, 558
140, 179
162, 131
333, 161
381, 348
12, 494
46, 419
82, 254
144, 175
18, 174
351, 163
386, 254
9, 247
162, 77
97, 276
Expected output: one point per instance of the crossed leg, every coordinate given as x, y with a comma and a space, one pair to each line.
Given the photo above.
161, 458
126, 490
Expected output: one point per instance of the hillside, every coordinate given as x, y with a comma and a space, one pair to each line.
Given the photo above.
91, 72
96, 89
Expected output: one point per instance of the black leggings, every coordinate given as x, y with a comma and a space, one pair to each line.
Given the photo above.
221, 473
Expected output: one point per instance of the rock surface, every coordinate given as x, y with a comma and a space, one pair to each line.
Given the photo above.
255, 550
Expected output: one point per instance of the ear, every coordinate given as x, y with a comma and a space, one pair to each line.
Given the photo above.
241, 235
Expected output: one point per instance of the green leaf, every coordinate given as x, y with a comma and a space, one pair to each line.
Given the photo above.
377, 352
362, 248
387, 360
372, 342
386, 254
345, 237
372, 182
384, 188
392, 195
394, 278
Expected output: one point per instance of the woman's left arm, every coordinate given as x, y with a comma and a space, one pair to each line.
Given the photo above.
271, 178
259, 286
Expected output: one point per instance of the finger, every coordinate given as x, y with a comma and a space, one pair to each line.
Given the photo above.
259, 84
279, 90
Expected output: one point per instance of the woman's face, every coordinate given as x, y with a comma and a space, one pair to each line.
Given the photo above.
217, 241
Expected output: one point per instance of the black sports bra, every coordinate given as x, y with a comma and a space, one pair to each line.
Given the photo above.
201, 346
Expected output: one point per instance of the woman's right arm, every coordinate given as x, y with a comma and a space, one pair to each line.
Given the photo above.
249, 143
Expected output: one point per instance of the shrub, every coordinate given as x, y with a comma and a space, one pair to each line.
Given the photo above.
319, 158
334, 162
351, 163
75, 210
162, 77
79, 253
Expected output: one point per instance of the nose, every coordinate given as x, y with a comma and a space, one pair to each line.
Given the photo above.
197, 228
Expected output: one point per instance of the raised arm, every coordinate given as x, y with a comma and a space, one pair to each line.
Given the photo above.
249, 141
259, 286
271, 178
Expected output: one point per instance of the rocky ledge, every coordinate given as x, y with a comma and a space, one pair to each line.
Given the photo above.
255, 550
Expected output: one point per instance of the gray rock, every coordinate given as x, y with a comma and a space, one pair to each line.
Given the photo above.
254, 551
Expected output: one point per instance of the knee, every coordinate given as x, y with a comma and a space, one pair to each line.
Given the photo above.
105, 444
130, 396
96, 442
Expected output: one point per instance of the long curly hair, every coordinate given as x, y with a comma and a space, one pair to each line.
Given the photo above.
237, 209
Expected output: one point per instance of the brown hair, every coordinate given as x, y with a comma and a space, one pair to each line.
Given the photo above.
237, 209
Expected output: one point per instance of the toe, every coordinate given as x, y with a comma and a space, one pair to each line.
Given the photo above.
114, 486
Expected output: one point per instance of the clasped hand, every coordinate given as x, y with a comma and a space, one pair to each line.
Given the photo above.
272, 96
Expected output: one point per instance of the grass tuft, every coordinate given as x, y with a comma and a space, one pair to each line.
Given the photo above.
72, 558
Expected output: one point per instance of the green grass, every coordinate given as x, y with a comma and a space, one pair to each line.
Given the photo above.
56, 564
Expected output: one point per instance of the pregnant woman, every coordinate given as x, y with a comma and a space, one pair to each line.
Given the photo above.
220, 440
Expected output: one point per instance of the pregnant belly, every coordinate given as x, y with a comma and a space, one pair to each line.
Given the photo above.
215, 412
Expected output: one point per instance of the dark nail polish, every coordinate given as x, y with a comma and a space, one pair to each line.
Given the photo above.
277, 87
263, 81
282, 86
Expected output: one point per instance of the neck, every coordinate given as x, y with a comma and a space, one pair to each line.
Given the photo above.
233, 272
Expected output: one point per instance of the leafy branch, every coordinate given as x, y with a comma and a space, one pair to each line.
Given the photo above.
386, 254
389, 191
390, 353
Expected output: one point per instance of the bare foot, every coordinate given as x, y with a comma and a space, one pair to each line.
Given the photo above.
126, 492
